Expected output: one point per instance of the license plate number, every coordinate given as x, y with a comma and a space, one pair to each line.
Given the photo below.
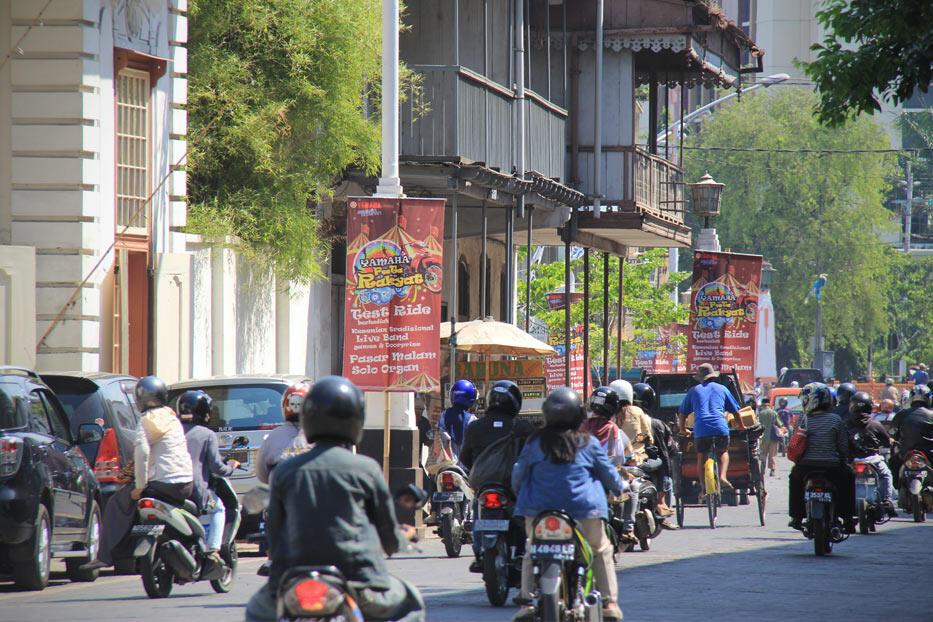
491, 524
448, 496
818, 495
562, 552
148, 530
868, 481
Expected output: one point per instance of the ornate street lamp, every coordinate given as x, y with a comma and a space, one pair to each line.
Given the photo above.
707, 196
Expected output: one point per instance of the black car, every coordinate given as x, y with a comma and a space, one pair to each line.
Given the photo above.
109, 401
801, 375
49, 498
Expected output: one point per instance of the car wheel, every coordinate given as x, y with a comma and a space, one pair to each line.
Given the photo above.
33, 557
73, 564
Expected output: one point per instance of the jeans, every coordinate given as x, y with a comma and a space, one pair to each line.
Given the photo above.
215, 528
886, 486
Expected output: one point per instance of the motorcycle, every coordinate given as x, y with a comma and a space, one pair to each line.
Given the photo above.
453, 504
170, 544
562, 562
868, 500
647, 521
502, 539
915, 493
822, 524
256, 502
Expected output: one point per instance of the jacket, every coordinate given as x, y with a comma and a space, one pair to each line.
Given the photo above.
454, 422
913, 426
160, 452
578, 488
768, 419
329, 506
486, 430
664, 441
827, 440
205, 461
866, 436
283, 442
636, 422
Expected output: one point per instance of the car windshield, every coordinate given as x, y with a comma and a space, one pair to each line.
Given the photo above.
12, 413
243, 406
673, 389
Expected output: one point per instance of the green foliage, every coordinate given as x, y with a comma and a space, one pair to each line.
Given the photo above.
807, 214
911, 313
647, 305
282, 88
893, 55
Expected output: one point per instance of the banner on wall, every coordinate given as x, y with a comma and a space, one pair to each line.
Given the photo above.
724, 314
393, 293
555, 365
660, 353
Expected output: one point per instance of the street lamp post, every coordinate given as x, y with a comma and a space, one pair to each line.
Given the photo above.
707, 198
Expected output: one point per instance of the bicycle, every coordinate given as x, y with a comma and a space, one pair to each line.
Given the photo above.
711, 483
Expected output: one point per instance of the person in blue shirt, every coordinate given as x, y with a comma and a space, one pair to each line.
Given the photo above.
564, 468
709, 401
453, 421
920, 376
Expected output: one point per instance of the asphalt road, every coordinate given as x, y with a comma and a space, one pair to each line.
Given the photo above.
738, 571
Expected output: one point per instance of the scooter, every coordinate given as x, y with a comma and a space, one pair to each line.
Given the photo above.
822, 524
647, 521
915, 493
868, 502
170, 544
453, 504
502, 539
562, 561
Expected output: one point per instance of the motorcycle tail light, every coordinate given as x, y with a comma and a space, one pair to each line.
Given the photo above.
553, 527
817, 484
146, 504
307, 597
447, 481
861, 468
107, 464
916, 461
493, 500
11, 453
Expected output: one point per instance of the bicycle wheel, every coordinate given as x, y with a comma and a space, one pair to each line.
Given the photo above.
680, 510
762, 496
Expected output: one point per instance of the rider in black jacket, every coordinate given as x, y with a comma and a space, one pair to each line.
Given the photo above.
866, 438
503, 402
913, 427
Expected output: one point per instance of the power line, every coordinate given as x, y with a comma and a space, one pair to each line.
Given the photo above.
18, 50
817, 151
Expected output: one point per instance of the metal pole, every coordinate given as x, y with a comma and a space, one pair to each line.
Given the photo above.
606, 316
567, 310
453, 290
547, 47
597, 110
386, 436
529, 213
908, 211
619, 322
483, 303
520, 96
563, 35
510, 264
586, 320
389, 183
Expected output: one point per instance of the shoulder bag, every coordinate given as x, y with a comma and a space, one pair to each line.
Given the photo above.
798, 442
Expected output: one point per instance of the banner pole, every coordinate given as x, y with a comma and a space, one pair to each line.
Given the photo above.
385, 438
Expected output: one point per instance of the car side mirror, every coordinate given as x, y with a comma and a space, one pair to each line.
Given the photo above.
90, 433
240, 441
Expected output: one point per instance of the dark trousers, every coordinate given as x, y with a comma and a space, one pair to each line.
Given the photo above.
842, 479
120, 512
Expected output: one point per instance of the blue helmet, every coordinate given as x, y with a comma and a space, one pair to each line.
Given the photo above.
816, 396
463, 393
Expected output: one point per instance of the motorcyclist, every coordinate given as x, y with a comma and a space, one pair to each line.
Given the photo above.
162, 465
564, 468
643, 396
844, 393
913, 427
330, 506
827, 451
785, 414
453, 422
503, 402
194, 411
285, 440
632, 419
866, 437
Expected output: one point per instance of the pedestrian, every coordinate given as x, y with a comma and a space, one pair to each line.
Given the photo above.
920, 376
890, 392
771, 438
758, 389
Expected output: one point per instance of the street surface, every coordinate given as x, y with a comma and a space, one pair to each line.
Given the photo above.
738, 571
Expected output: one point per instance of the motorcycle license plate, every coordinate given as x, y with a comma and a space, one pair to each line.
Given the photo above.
147, 530
562, 552
818, 495
447, 496
491, 524
867, 481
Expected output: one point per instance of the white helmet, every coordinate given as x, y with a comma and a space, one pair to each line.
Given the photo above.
623, 389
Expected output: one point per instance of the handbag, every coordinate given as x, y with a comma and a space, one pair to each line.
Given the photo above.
777, 432
798, 442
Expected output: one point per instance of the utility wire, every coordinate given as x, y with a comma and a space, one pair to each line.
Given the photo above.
817, 151
16, 49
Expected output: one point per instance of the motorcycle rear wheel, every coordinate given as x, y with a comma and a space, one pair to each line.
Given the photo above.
864, 524
549, 605
496, 573
157, 576
916, 505
225, 583
819, 538
452, 541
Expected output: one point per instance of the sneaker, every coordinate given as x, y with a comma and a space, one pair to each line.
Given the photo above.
890, 510
475, 566
611, 610
796, 523
525, 613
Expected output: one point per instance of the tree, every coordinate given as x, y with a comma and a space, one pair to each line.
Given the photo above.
280, 90
807, 213
873, 47
647, 304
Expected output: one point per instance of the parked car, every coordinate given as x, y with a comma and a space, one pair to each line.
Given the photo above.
245, 409
109, 401
49, 498
802, 376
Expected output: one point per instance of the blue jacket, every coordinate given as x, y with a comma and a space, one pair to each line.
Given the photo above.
454, 421
578, 488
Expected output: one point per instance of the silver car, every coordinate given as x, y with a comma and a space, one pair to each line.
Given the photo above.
245, 409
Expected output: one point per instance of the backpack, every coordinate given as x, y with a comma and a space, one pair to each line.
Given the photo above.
494, 464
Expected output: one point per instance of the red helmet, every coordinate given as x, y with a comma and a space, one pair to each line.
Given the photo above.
292, 399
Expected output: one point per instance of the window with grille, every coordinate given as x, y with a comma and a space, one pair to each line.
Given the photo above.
132, 94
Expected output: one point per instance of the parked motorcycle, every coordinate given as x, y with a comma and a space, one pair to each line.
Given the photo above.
562, 562
647, 521
822, 524
501, 536
915, 492
453, 504
170, 544
868, 502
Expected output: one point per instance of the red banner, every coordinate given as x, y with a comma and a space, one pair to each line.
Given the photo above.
555, 367
724, 313
659, 353
393, 301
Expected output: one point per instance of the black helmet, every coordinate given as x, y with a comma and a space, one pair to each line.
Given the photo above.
334, 409
643, 395
150, 393
920, 394
504, 396
564, 408
604, 402
844, 392
860, 403
782, 402
194, 407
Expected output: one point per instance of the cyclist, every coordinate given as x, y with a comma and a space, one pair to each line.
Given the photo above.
709, 401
